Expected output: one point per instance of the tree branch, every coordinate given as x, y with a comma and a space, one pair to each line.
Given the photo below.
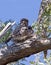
7, 27
24, 49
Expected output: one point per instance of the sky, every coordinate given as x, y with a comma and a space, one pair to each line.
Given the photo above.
18, 9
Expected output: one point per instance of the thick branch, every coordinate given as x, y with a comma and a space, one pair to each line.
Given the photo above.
20, 50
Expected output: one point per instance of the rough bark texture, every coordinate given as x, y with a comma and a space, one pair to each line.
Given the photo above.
21, 50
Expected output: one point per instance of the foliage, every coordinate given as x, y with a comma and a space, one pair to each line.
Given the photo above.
4, 38
44, 27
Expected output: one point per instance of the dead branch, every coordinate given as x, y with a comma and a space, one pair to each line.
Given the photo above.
6, 28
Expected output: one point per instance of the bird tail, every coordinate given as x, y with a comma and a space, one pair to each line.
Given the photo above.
45, 53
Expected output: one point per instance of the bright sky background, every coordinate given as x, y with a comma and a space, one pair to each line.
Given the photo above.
18, 9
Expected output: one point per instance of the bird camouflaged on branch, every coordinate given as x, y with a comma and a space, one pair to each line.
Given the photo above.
23, 31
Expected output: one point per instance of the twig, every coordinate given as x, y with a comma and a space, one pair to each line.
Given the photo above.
6, 28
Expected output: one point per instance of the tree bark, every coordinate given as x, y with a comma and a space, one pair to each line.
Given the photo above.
20, 50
